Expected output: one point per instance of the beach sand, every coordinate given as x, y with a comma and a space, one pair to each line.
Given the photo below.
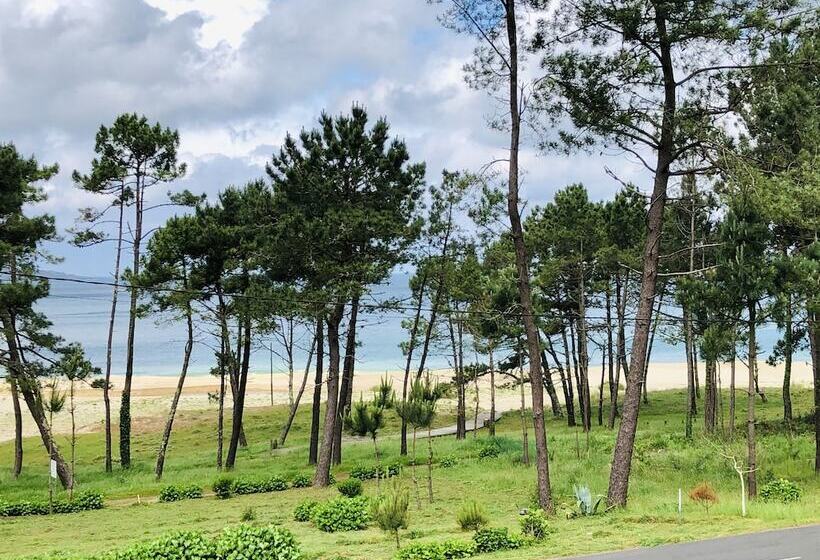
151, 395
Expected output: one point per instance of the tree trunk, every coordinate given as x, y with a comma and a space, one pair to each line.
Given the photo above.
655, 324
787, 365
223, 365
411, 346
322, 477
620, 310
313, 454
691, 405
239, 401
601, 391
569, 396
555, 404
525, 442
751, 486
583, 350
71, 410
109, 463
346, 387
613, 389
625, 443
295, 407
169, 423
814, 341
732, 389
125, 402
18, 427
491, 425
710, 404
31, 395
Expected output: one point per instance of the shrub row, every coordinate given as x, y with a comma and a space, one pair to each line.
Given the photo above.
242, 542
484, 540
173, 493
226, 487
367, 473
82, 502
780, 490
341, 514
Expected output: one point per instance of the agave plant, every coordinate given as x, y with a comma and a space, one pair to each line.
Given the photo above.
584, 501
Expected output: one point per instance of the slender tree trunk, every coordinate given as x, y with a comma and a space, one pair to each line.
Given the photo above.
751, 442
491, 425
346, 387
322, 477
224, 350
522, 268
601, 391
239, 401
814, 341
583, 351
732, 390
621, 288
787, 365
710, 404
31, 395
625, 443
109, 463
613, 389
525, 442
289, 353
411, 346
655, 324
570, 393
691, 406
235, 375
125, 402
317, 392
18, 427
555, 404
576, 370
169, 423
71, 410
295, 407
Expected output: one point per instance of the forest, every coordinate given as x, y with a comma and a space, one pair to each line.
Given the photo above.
547, 314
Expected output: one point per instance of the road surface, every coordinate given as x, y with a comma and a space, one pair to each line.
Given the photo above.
801, 543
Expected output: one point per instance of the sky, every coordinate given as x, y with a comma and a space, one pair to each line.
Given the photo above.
234, 77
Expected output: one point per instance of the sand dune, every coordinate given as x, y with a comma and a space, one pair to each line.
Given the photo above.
152, 394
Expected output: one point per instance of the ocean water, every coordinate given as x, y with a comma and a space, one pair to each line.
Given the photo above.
80, 313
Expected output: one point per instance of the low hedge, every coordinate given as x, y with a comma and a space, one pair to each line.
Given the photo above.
368, 473
226, 487
342, 514
173, 493
85, 501
446, 550
243, 542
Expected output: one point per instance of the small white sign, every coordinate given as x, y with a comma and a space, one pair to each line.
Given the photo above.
53, 468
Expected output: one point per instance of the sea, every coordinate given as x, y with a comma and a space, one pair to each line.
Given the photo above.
79, 309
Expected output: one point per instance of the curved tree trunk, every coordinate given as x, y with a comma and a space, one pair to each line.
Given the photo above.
411, 346
295, 406
313, 452
18, 427
169, 423
346, 386
239, 401
109, 462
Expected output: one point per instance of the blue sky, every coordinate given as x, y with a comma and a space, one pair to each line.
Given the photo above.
234, 77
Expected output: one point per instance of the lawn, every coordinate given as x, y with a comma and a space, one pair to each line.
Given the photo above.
664, 462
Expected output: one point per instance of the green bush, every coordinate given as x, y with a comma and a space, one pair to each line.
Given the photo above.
174, 493
351, 487
304, 511
242, 487
342, 514
534, 523
446, 550
448, 462
367, 473
85, 501
490, 540
301, 481
175, 546
245, 542
275, 483
780, 490
223, 487
471, 516
489, 450
390, 510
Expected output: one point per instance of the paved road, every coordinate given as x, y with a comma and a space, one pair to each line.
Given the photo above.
470, 424
790, 544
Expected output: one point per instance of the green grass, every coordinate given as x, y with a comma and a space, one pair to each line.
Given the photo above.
664, 462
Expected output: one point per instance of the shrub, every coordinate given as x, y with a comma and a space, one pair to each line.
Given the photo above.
342, 514
390, 511
448, 462
471, 516
243, 487
304, 511
780, 490
257, 543
174, 493
367, 473
534, 524
248, 514
704, 495
489, 450
85, 501
301, 481
275, 483
490, 540
446, 550
351, 487
223, 487
175, 546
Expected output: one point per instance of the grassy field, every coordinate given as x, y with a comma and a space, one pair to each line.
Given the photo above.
664, 462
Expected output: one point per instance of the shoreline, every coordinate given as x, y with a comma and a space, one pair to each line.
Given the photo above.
151, 394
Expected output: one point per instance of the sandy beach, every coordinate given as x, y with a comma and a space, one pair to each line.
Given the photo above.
152, 394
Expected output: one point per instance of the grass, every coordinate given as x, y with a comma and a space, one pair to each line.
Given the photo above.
664, 462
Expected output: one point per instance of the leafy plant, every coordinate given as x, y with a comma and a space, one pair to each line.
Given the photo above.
174, 546
304, 511
342, 514
471, 516
351, 487
384, 396
245, 542
534, 523
223, 487
174, 493
301, 481
448, 462
704, 495
446, 550
780, 490
248, 514
491, 540
390, 511
584, 501
85, 501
